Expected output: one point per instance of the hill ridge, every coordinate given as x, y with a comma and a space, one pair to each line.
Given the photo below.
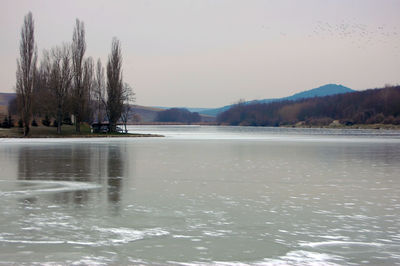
324, 90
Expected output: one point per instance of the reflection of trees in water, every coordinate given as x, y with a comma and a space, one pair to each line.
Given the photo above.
74, 162
115, 172
26, 163
57, 163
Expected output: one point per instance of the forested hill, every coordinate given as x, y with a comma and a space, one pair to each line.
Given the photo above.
325, 90
365, 107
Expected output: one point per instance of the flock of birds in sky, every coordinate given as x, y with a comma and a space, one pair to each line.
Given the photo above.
360, 35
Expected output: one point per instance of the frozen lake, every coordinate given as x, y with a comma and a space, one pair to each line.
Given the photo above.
203, 195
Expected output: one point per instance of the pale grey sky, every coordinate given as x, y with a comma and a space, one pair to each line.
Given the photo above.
203, 53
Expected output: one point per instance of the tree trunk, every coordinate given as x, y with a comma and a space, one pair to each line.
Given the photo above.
77, 124
59, 119
26, 128
113, 127
26, 115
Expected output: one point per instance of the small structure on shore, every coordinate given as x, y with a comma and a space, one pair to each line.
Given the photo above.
103, 127
100, 127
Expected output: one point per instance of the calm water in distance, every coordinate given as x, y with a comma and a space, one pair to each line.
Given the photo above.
203, 195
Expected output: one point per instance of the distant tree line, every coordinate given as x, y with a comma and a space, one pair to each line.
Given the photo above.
67, 84
180, 115
365, 107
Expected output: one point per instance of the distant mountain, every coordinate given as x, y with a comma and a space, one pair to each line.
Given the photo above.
326, 90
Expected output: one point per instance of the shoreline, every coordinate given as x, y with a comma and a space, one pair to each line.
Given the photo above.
357, 126
68, 132
45, 133
83, 136
335, 126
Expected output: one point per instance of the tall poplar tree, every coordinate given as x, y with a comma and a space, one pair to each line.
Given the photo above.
26, 71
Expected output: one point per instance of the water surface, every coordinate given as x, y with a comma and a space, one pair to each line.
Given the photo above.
211, 195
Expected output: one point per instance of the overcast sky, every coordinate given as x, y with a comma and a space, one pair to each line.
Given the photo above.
201, 53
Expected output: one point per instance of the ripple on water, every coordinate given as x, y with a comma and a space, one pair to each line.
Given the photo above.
344, 247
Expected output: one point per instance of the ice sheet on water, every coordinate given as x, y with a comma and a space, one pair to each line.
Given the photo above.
108, 237
348, 247
302, 257
125, 235
341, 243
91, 260
335, 237
182, 236
296, 257
41, 186
16, 241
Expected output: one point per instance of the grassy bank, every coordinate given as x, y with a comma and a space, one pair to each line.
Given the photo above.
67, 131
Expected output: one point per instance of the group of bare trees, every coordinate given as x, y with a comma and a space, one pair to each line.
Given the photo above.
68, 84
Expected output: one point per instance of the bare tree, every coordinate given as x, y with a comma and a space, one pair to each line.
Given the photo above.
88, 89
26, 70
99, 91
43, 102
78, 93
115, 99
128, 99
60, 80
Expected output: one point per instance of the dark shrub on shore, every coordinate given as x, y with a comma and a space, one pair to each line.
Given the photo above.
55, 123
67, 121
5, 123
46, 121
